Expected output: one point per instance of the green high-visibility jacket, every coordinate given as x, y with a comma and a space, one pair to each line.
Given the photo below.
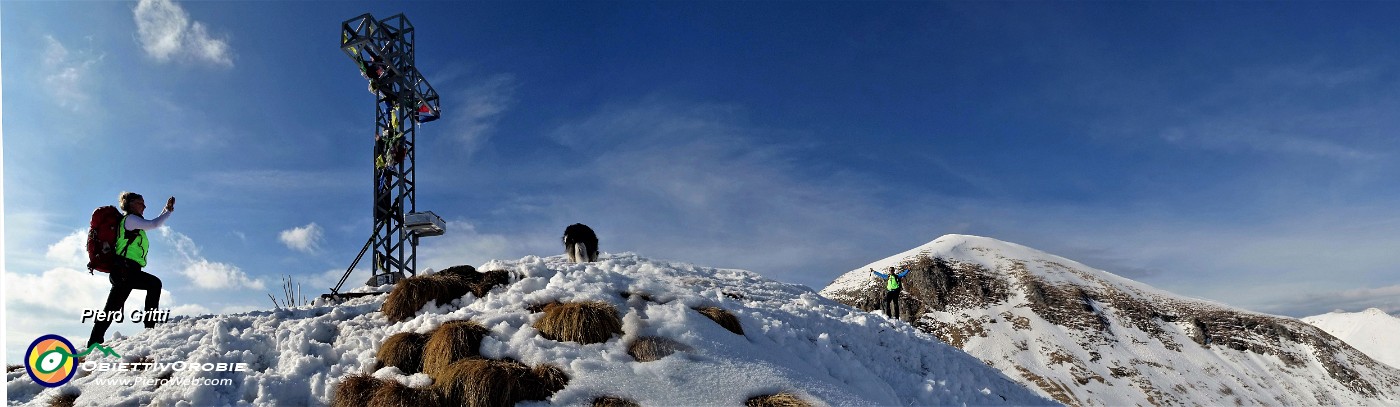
892, 279
134, 249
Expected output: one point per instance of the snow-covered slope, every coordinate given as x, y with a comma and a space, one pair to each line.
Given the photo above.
795, 341
1371, 331
1087, 337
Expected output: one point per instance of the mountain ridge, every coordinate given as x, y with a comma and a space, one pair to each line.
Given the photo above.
1084, 336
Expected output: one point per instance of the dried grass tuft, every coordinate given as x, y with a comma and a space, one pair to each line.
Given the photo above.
465, 270
542, 382
64, 399
355, 391
489, 280
395, 394
610, 401
403, 350
451, 342
724, 318
652, 348
480, 382
777, 400
582, 322
410, 295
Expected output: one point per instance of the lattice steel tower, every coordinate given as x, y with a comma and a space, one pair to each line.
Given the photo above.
383, 50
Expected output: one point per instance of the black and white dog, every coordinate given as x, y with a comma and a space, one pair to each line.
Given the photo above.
580, 243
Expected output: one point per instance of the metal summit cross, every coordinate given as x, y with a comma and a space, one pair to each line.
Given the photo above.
383, 50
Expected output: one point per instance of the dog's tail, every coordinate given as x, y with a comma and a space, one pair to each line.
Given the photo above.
578, 253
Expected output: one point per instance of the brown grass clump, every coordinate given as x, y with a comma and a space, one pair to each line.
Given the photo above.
652, 348
610, 401
723, 317
395, 394
403, 350
64, 400
355, 391
777, 400
453, 341
542, 382
464, 270
480, 382
582, 322
411, 294
489, 280
477, 283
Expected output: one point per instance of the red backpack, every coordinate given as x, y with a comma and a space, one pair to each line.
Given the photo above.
102, 240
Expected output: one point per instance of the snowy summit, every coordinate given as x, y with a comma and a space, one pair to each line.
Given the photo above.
1371, 331
793, 341
1084, 336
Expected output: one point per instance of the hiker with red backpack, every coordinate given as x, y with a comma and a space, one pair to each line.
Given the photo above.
894, 283
120, 250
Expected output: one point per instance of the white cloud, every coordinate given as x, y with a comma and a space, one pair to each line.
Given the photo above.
53, 302
463, 244
71, 251
190, 310
166, 32
326, 280
305, 239
216, 276
204, 273
69, 74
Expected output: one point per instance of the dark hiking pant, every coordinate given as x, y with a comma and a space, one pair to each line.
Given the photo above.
123, 281
891, 303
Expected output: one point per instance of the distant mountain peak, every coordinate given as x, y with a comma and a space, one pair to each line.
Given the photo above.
1085, 336
1372, 331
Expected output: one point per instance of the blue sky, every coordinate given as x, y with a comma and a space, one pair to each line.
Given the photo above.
1238, 152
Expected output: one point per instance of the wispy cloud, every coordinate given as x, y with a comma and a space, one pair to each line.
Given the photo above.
1303, 109
305, 239
203, 273
69, 74
484, 104
282, 180
700, 182
166, 33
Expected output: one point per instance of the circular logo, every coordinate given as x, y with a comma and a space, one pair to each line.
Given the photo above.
50, 360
